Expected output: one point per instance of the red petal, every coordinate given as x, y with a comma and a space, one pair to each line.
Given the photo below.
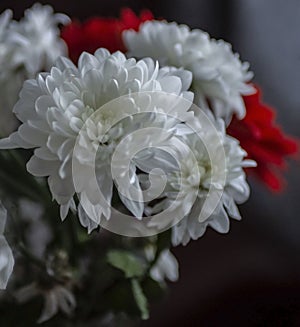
264, 140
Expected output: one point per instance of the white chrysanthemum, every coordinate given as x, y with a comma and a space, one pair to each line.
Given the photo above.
37, 39
219, 77
6, 256
62, 106
213, 170
26, 48
10, 81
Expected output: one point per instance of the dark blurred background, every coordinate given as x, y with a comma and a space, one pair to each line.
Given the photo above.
250, 277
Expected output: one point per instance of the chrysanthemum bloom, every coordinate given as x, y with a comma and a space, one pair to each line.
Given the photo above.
213, 170
26, 48
59, 107
37, 39
101, 32
264, 141
219, 77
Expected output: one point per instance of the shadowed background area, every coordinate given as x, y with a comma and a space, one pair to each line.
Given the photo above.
250, 277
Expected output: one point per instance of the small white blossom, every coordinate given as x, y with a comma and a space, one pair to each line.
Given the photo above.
57, 298
206, 185
10, 80
235, 190
36, 38
219, 77
166, 267
27, 47
6, 256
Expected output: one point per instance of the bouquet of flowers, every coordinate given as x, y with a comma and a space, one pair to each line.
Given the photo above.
120, 139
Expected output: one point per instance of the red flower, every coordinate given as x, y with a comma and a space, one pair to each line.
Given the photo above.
264, 141
101, 32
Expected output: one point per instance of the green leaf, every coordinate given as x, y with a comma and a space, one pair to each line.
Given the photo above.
140, 299
127, 262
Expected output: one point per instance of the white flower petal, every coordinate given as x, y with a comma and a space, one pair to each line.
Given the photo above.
85, 220
50, 308
166, 267
66, 300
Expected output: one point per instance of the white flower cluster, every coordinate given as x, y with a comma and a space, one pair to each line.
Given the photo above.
219, 77
26, 48
115, 124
